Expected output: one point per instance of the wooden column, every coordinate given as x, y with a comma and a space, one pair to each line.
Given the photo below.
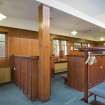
44, 58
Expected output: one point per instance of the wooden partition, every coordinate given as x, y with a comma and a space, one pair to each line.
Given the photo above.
25, 73
76, 66
76, 71
96, 72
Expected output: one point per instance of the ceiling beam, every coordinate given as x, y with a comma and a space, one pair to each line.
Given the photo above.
72, 11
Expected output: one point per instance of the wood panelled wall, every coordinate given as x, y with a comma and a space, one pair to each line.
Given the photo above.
25, 42
25, 73
22, 43
19, 43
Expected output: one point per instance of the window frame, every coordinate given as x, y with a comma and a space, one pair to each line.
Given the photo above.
53, 45
65, 47
60, 45
6, 46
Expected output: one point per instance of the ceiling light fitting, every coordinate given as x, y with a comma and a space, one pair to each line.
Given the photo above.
74, 33
2, 17
101, 39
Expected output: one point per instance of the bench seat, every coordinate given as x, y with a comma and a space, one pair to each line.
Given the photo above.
98, 90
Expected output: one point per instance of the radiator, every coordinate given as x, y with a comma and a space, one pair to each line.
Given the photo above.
5, 75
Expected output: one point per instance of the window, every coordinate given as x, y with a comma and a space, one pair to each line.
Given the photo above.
56, 47
2, 45
64, 47
59, 46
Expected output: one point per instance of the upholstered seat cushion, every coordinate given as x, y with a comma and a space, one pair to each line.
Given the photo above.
99, 90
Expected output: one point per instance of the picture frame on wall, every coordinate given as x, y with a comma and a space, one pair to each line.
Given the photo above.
77, 45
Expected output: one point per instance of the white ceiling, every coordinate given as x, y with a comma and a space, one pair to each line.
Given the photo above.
93, 8
68, 23
72, 10
25, 9
90, 7
24, 14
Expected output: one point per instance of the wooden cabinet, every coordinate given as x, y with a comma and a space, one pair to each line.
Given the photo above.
25, 71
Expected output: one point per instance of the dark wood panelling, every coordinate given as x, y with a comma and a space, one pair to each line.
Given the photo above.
26, 75
97, 71
76, 71
76, 65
